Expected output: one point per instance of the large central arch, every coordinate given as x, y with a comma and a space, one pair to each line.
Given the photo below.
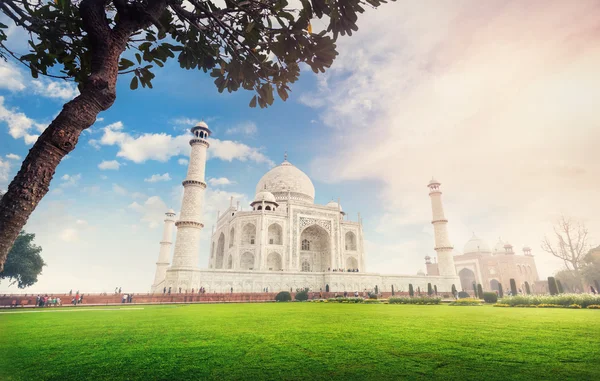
467, 278
315, 248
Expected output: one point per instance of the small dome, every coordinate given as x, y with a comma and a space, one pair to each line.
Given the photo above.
201, 124
476, 245
499, 248
334, 205
171, 211
420, 272
433, 181
264, 196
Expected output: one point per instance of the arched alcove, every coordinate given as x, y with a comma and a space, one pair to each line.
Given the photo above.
275, 234
351, 263
467, 278
350, 241
315, 248
231, 236
220, 252
248, 234
274, 262
247, 261
230, 262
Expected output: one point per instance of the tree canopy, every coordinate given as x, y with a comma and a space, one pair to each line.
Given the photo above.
257, 45
24, 262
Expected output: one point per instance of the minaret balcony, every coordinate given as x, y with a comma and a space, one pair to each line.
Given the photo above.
195, 183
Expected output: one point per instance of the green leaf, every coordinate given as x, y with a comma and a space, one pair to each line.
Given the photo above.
125, 64
134, 83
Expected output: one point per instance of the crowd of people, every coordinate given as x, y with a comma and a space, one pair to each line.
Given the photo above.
342, 270
47, 301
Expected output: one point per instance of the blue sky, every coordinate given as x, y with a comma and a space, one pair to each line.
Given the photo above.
499, 105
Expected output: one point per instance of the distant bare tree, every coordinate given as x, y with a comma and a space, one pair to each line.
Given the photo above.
569, 243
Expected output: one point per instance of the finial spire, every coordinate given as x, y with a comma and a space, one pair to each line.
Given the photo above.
285, 156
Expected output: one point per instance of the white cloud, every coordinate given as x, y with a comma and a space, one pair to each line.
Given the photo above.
220, 181
69, 235
186, 122
470, 95
109, 165
19, 125
119, 190
54, 89
13, 156
94, 143
70, 180
152, 212
116, 126
103, 177
157, 178
245, 128
99, 119
4, 173
183, 161
10, 77
229, 150
161, 147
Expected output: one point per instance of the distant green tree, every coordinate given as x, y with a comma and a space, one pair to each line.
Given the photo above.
283, 296
513, 287
435, 289
24, 262
429, 289
302, 295
552, 286
559, 287
475, 289
527, 289
411, 290
479, 291
591, 269
500, 290
454, 292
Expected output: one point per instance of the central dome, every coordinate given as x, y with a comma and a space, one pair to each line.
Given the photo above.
476, 245
286, 178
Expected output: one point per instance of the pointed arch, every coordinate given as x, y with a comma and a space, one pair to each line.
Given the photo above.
351, 263
247, 261
229, 262
220, 252
231, 236
350, 241
274, 262
275, 234
316, 248
249, 234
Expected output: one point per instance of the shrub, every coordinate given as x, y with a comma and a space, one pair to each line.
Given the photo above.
466, 302
411, 290
500, 290
513, 287
562, 300
463, 294
372, 295
552, 286
574, 306
594, 306
479, 291
371, 301
501, 305
435, 289
475, 289
423, 300
454, 293
559, 287
345, 300
429, 289
283, 296
302, 296
527, 289
490, 297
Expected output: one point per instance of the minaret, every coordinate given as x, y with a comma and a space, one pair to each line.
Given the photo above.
187, 242
165, 251
443, 247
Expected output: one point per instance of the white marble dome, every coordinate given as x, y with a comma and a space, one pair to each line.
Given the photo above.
334, 205
171, 211
286, 177
264, 196
476, 245
499, 248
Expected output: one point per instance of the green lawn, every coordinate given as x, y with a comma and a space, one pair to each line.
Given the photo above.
295, 341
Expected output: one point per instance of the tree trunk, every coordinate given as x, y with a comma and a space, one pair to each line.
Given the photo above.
32, 181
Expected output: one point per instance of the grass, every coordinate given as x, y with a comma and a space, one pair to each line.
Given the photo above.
294, 341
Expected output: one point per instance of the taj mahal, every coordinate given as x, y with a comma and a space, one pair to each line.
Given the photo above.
284, 242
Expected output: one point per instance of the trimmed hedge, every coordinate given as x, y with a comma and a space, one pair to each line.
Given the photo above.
463, 294
429, 289
479, 291
345, 300
559, 287
500, 290
490, 297
563, 300
283, 296
513, 287
411, 290
423, 300
302, 296
454, 292
552, 286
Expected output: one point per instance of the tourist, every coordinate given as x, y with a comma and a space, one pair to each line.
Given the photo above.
119, 290
169, 290
77, 297
81, 299
70, 292
232, 290
73, 301
124, 298
37, 300
165, 290
58, 302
